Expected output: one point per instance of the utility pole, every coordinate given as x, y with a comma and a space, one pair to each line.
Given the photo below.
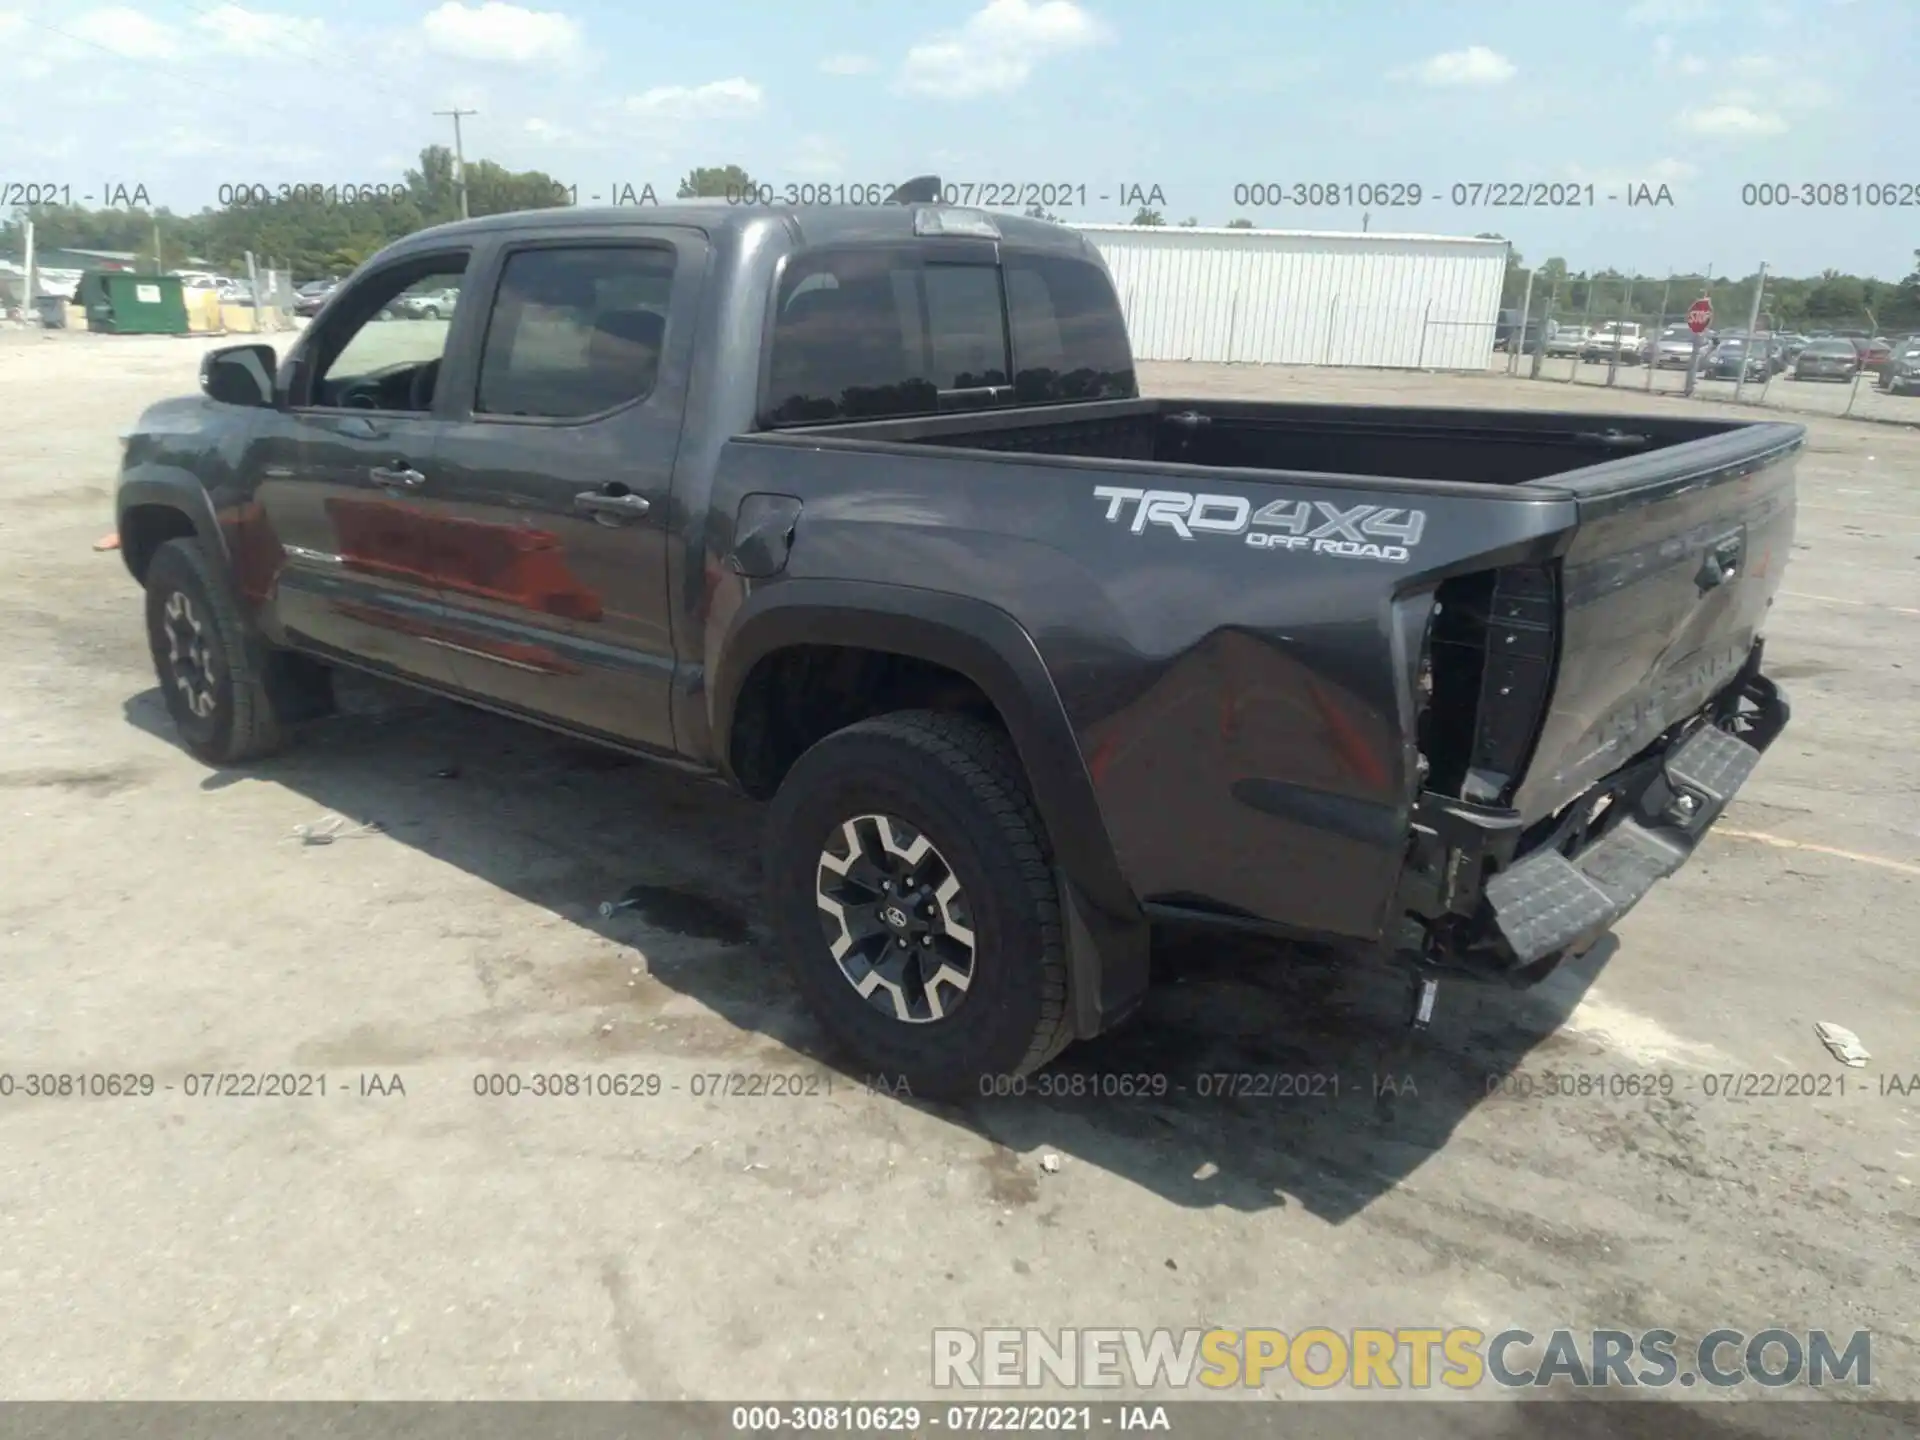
1753, 321
159, 266
459, 156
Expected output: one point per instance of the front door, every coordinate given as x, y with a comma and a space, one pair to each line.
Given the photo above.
344, 492
558, 458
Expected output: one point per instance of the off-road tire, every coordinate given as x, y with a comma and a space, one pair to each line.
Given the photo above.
958, 782
257, 691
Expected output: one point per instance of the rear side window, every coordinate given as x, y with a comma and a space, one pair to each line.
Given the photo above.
862, 334
575, 331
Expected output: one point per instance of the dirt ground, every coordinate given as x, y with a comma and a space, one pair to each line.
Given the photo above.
158, 919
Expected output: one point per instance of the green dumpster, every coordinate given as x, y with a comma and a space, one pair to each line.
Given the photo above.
125, 302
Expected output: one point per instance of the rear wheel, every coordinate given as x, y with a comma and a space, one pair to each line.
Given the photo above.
913, 899
231, 695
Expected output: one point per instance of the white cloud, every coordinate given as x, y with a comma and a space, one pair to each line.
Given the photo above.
1730, 120
126, 33
12, 23
718, 99
1665, 14
1475, 65
998, 48
259, 32
1664, 171
816, 157
501, 32
1804, 95
847, 65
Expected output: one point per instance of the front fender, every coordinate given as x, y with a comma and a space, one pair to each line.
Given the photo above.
1107, 932
164, 487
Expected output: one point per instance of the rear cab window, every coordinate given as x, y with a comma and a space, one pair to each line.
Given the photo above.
872, 332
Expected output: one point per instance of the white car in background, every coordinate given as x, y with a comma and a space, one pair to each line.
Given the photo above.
1617, 337
1567, 340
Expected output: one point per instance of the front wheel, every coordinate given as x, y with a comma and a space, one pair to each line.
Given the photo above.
913, 899
231, 695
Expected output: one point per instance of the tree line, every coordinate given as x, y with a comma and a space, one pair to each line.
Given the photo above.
320, 235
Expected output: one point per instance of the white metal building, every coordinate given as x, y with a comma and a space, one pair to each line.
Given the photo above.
1306, 297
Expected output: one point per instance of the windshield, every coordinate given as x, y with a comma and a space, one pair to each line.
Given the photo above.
1830, 347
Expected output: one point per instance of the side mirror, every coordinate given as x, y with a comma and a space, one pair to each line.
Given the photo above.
240, 375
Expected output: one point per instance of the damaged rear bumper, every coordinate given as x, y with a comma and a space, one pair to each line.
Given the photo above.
1485, 895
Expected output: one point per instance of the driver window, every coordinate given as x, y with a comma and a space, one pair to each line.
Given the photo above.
401, 328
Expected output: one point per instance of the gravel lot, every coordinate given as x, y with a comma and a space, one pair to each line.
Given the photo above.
161, 919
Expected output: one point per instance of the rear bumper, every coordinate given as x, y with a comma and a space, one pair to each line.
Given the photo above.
1555, 894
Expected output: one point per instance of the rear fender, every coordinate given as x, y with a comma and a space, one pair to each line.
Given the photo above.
1106, 930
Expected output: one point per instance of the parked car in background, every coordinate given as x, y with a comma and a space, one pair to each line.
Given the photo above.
1620, 338
1902, 375
427, 304
1740, 356
1675, 348
1509, 325
1829, 359
1538, 332
1567, 340
1875, 354
310, 297
1793, 343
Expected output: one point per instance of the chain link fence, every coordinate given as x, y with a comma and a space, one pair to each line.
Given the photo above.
261, 298
1632, 334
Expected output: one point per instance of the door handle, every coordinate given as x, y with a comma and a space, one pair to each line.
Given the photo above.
598, 502
404, 475
1722, 563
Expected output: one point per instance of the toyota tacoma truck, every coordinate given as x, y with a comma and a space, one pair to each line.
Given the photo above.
863, 511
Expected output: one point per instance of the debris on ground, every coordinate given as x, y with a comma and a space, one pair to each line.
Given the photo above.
330, 828
1206, 1171
447, 772
110, 541
1050, 1163
1844, 1044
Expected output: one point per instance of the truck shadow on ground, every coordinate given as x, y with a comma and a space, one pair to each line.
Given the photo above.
1254, 1077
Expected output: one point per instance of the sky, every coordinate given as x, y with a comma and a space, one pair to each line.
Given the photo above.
1103, 100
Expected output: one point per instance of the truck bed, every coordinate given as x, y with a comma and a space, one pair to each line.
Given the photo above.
1382, 442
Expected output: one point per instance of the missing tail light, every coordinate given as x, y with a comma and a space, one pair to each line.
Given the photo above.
1486, 675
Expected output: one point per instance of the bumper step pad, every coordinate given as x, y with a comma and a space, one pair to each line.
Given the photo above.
1712, 763
1548, 902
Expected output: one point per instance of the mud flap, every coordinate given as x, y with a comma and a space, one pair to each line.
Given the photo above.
1548, 902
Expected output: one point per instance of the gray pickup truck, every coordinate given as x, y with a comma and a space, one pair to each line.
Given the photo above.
862, 511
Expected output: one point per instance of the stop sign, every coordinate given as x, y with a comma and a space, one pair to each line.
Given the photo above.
1699, 315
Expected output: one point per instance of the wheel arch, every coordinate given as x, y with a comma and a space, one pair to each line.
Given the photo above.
154, 506
992, 651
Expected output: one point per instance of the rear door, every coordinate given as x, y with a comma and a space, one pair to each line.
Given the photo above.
344, 492
559, 462
1664, 590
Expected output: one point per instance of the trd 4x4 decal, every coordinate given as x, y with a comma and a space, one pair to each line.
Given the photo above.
1316, 526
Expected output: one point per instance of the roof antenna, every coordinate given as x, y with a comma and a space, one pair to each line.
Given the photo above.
921, 190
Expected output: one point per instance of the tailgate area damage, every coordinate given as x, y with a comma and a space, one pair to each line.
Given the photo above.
1549, 902
1493, 899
